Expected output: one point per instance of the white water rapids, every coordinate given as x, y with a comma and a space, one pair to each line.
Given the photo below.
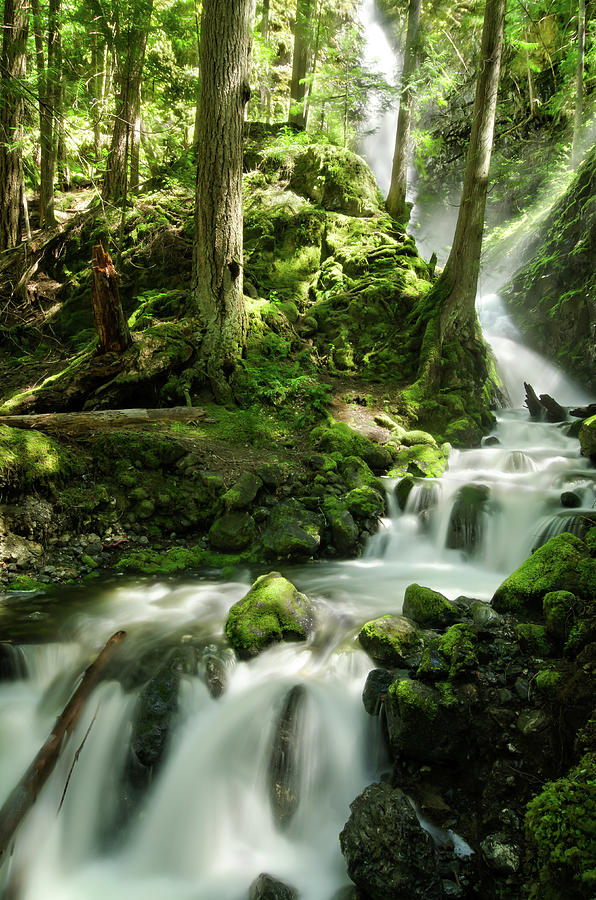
206, 829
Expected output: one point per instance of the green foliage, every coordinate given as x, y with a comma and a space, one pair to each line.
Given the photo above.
31, 459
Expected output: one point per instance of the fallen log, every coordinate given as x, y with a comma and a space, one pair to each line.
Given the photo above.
583, 412
554, 411
103, 418
22, 798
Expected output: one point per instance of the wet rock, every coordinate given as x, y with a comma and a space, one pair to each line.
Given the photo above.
156, 706
232, 532
243, 492
365, 503
421, 460
283, 764
466, 526
403, 489
273, 610
428, 608
558, 608
375, 690
458, 648
501, 854
570, 499
427, 724
292, 532
531, 722
12, 662
587, 437
390, 640
387, 852
484, 616
265, 887
344, 531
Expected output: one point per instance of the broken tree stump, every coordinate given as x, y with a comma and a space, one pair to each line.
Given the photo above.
554, 411
22, 798
110, 322
532, 401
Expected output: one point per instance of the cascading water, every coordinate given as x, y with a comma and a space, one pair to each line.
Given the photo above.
207, 826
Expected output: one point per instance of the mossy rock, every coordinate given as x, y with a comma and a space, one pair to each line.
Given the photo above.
365, 503
337, 179
458, 648
559, 614
243, 492
357, 473
273, 610
426, 723
560, 824
428, 608
403, 489
176, 559
340, 438
344, 531
587, 437
390, 640
410, 438
292, 532
232, 532
562, 564
533, 639
32, 459
422, 460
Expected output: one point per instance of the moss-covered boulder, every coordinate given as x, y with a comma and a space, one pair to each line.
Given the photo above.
365, 503
341, 439
458, 648
232, 532
292, 532
587, 437
357, 473
559, 613
337, 179
426, 723
273, 610
242, 492
533, 639
428, 608
390, 640
344, 531
411, 438
562, 564
423, 460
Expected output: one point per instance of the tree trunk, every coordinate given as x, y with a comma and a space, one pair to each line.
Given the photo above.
315, 62
12, 74
579, 81
396, 199
22, 798
217, 252
130, 53
91, 420
264, 92
110, 322
300, 62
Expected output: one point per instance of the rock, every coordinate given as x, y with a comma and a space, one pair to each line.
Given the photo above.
428, 608
273, 610
337, 179
409, 438
271, 474
12, 662
375, 690
388, 854
484, 616
425, 723
283, 763
570, 500
532, 721
344, 531
232, 532
458, 648
389, 640
558, 608
403, 489
562, 564
421, 460
533, 639
466, 526
19, 550
265, 887
292, 532
243, 492
365, 503
501, 855
587, 437
385, 421
156, 706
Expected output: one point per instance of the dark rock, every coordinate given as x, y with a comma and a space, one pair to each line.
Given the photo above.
375, 690
12, 662
425, 723
292, 532
466, 526
387, 852
232, 532
243, 492
265, 887
501, 854
283, 768
156, 706
403, 489
570, 500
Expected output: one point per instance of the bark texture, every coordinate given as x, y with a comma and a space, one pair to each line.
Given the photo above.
110, 322
396, 198
217, 295
300, 58
12, 73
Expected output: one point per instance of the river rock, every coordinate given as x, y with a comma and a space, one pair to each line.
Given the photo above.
501, 854
587, 437
558, 608
390, 640
273, 610
466, 526
485, 618
388, 854
365, 503
375, 690
265, 887
292, 532
232, 532
283, 763
426, 724
156, 706
428, 608
562, 564
403, 489
243, 492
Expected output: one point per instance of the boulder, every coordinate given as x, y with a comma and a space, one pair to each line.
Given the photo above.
428, 608
283, 762
427, 724
388, 853
559, 608
375, 690
562, 564
458, 648
232, 532
403, 489
466, 522
243, 492
410, 438
422, 460
344, 531
337, 179
365, 503
587, 437
265, 887
156, 706
390, 640
292, 532
273, 610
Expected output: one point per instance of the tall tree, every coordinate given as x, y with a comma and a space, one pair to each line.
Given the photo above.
396, 198
454, 294
48, 79
217, 296
131, 28
300, 60
579, 80
12, 73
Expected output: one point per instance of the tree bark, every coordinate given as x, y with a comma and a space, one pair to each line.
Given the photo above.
23, 797
110, 322
579, 81
300, 60
91, 420
12, 74
216, 292
396, 198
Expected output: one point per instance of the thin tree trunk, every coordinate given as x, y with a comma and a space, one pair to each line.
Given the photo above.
13, 63
96, 79
396, 199
579, 81
531, 91
135, 143
264, 92
109, 318
315, 62
300, 60
217, 277
23, 797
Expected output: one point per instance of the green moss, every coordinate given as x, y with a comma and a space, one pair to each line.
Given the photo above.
458, 647
533, 639
547, 681
389, 640
365, 503
415, 698
177, 559
560, 823
26, 583
427, 607
88, 561
29, 458
558, 608
421, 460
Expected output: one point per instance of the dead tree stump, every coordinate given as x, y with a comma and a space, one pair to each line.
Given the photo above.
110, 322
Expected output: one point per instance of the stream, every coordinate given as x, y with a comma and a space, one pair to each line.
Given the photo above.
205, 828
